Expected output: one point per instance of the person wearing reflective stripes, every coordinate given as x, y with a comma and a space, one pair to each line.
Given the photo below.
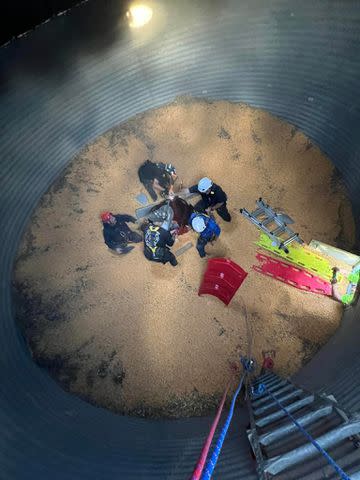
157, 241
207, 229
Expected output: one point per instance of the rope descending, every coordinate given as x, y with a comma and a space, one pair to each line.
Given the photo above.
248, 366
204, 452
210, 466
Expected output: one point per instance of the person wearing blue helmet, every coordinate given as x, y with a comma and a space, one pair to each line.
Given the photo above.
213, 198
207, 229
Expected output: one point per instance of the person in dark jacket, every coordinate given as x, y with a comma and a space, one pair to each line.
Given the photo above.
157, 178
207, 229
157, 241
212, 198
117, 234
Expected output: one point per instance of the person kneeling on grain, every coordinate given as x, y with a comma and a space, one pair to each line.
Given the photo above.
117, 234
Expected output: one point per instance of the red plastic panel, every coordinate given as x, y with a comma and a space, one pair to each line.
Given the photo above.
222, 279
292, 275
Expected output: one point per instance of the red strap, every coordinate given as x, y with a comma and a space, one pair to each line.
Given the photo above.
204, 452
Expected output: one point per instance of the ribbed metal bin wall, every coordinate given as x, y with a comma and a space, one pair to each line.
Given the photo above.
80, 74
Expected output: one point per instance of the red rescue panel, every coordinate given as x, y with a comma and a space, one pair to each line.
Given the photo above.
222, 279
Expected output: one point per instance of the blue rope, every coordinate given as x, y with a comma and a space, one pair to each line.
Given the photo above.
308, 436
211, 463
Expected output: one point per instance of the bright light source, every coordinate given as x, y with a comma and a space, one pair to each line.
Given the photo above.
139, 15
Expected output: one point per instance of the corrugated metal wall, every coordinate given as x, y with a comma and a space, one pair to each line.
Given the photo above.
76, 77
336, 368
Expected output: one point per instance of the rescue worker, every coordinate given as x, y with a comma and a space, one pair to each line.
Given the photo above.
157, 241
213, 198
207, 229
116, 232
157, 178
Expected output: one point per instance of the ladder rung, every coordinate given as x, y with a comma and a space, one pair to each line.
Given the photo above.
266, 376
262, 400
355, 476
284, 398
277, 231
272, 384
260, 203
273, 389
262, 422
272, 381
271, 436
281, 462
290, 239
267, 221
269, 381
346, 463
257, 212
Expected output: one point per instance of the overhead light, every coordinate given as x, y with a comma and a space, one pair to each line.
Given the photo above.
139, 15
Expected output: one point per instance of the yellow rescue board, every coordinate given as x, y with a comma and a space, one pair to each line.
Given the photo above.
301, 256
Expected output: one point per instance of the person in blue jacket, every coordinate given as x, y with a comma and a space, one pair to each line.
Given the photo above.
207, 229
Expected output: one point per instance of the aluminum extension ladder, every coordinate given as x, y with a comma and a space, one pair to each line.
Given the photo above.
264, 216
282, 451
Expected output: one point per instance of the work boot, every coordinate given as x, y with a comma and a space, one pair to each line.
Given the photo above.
173, 261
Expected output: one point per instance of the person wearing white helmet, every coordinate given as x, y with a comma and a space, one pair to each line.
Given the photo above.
213, 198
204, 185
198, 223
207, 229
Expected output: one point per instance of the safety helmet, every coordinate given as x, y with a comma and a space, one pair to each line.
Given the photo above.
198, 223
204, 184
106, 216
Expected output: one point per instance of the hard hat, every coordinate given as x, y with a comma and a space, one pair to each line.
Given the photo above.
204, 184
198, 224
106, 216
